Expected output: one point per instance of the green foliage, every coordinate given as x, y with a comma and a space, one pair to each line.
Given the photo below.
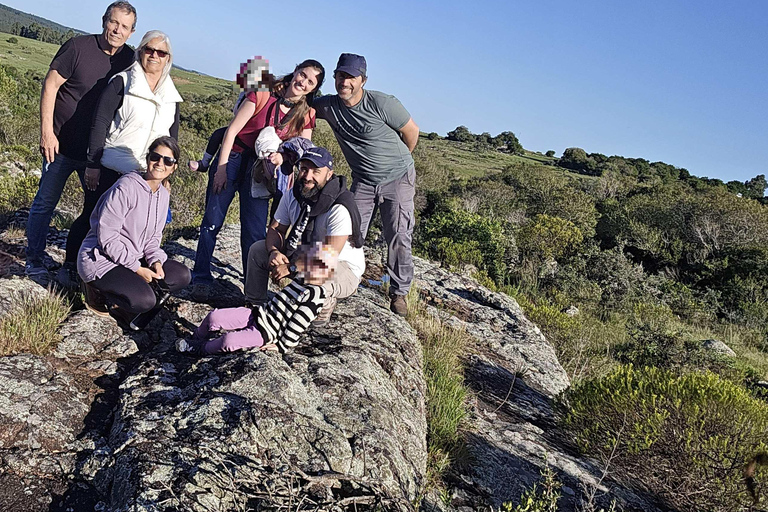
542, 497
13, 40
685, 437
456, 237
460, 134
550, 153
16, 192
433, 136
507, 141
548, 237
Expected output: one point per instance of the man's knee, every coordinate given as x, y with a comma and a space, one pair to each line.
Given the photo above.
257, 254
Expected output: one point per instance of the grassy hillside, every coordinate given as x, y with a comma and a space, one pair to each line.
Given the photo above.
9, 16
31, 55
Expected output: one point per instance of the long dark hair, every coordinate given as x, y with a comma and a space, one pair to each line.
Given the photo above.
297, 118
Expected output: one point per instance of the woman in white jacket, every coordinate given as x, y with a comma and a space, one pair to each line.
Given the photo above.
139, 105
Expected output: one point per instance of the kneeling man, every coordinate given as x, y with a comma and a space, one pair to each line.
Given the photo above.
319, 209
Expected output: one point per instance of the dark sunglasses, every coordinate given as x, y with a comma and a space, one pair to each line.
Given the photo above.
160, 53
167, 160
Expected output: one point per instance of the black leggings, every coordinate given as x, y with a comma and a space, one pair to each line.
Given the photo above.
79, 229
128, 291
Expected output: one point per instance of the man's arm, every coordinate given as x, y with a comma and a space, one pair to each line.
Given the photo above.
49, 144
276, 236
410, 134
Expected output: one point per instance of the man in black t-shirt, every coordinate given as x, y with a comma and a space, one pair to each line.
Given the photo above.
78, 73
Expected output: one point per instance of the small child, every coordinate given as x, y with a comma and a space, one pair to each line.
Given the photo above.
253, 76
277, 323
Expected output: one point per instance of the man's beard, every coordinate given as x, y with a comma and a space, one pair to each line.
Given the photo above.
310, 193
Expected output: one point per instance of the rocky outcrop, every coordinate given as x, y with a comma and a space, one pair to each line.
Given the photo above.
117, 421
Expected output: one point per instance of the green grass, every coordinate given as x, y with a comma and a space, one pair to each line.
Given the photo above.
447, 408
32, 55
33, 326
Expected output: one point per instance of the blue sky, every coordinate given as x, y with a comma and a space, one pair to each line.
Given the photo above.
682, 82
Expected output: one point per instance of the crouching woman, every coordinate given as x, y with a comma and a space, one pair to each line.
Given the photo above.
121, 255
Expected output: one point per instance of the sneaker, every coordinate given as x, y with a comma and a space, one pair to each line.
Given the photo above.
189, 346
398, 305
324, 316
68, 277
36, 271
94, 300
201, 292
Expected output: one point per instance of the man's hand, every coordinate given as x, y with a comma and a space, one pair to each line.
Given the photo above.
158, 268
147, 274
277, 258
279, 272
92, 175
49, 145
220, 178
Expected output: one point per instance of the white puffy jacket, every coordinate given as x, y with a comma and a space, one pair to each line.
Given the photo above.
143, 117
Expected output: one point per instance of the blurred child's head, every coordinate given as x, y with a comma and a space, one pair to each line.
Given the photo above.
254, 75
317, 263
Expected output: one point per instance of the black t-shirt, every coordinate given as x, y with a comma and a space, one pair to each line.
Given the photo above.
87, 69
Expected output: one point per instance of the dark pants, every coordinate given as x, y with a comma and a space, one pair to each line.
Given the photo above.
79, 229
125, 289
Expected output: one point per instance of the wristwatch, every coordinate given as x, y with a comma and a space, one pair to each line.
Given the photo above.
292, 268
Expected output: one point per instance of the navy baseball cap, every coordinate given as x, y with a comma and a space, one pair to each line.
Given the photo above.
318, 156
352, 64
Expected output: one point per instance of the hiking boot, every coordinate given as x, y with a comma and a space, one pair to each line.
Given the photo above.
122, 317
398, 305
94, 300
324, 316
68, 277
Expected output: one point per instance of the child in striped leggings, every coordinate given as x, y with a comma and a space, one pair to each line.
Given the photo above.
277, 323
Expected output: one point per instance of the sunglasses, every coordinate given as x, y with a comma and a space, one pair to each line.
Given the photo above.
160, 53
167, 160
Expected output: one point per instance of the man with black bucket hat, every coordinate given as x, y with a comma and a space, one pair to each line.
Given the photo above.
318, 209
377, 136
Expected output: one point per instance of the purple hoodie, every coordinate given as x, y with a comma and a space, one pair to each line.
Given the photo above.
126, 225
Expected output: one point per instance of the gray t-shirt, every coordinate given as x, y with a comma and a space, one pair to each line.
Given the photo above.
368, 135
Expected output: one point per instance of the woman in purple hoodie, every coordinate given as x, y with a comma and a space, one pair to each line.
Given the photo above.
121, 254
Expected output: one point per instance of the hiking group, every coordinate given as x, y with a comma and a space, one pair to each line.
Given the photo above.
111, 115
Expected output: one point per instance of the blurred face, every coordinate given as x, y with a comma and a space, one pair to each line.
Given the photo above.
154, 56
312, 178
350, 88
317, 264
304, 81
118, 27
160, 163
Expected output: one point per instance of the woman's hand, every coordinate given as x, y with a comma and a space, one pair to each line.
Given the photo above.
92, 178
147, 274
158, 268
276, 159
220, 178
269, 347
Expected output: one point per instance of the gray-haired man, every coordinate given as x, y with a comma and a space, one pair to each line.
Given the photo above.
78, 73
377, 135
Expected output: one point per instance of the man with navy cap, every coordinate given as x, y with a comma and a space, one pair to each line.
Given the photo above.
377, 135
319, 208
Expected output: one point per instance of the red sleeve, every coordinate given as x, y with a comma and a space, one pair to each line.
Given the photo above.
310, 120
65, 60
260, 98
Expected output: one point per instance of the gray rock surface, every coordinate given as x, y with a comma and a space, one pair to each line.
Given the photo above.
514, 374
719, 347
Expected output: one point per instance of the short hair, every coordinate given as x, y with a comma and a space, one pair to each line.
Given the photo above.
168, 142
120, 4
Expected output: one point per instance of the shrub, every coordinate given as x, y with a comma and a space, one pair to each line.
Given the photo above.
550, 153
542, 497
16, 192
461, 134
13, 40
481, 236
433, 136
548, 237
684, 437
33, 325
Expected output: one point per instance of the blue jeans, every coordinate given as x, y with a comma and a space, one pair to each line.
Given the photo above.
52, 183
253, 217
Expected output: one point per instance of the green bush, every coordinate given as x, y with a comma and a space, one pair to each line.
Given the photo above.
433, 136
685, 438
446, 234
547, 237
